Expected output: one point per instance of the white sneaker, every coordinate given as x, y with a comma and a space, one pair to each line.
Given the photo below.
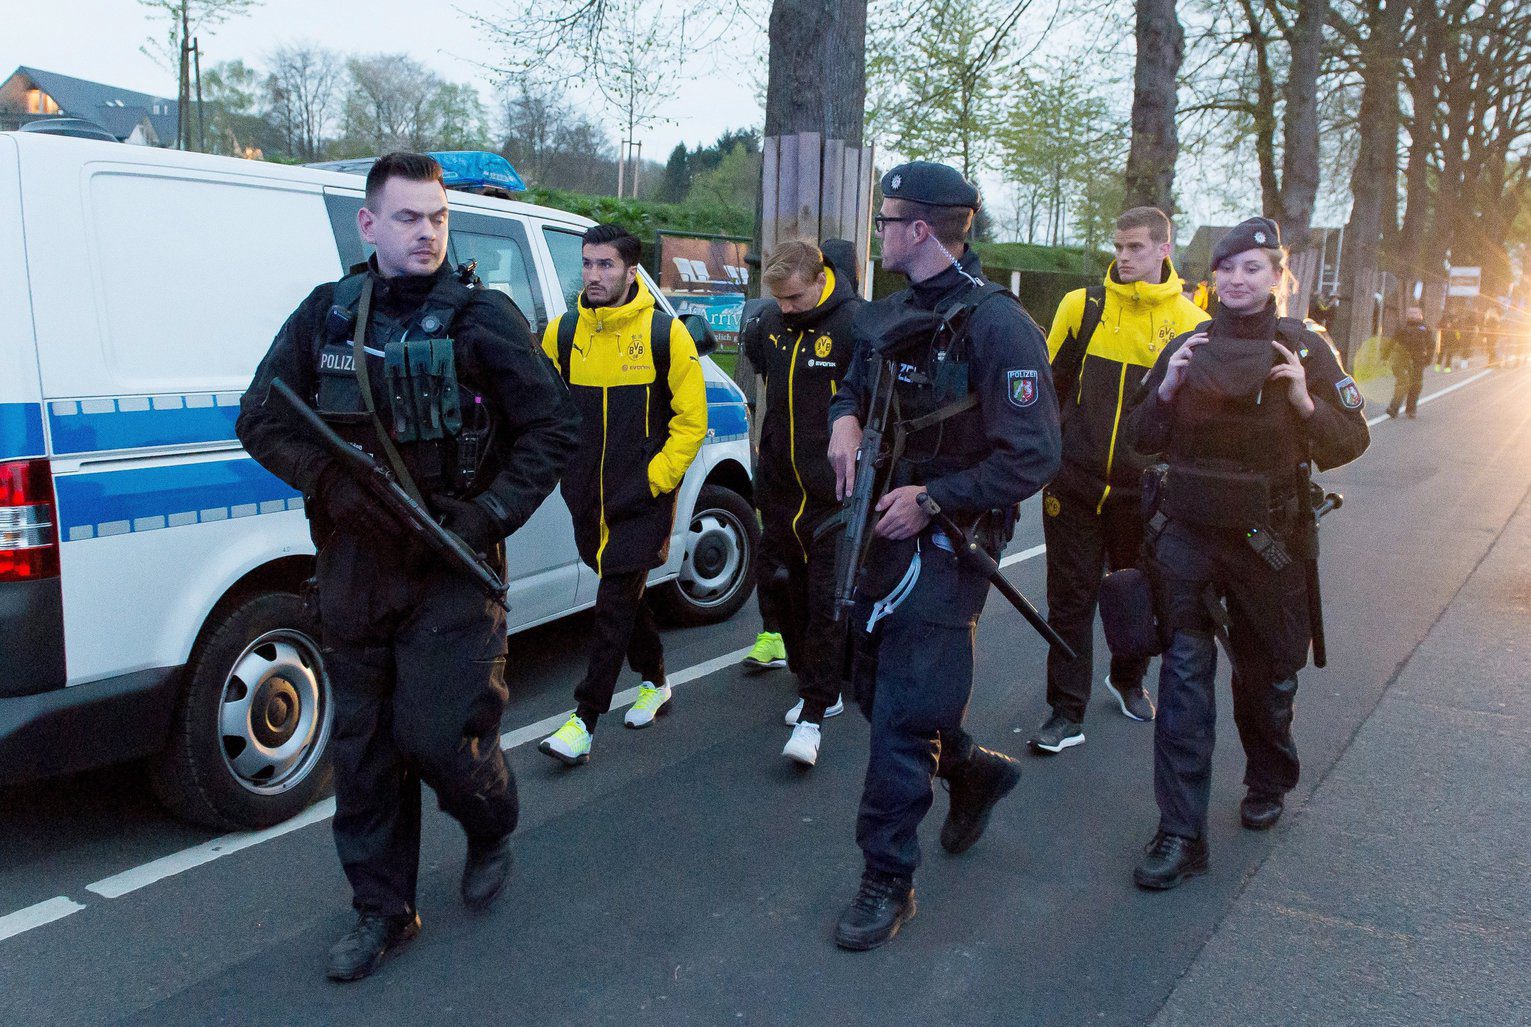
803, 746
797, 711
570, 744
651, 701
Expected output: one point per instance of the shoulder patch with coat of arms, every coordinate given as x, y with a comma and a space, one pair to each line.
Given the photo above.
1350, 394
1022, 387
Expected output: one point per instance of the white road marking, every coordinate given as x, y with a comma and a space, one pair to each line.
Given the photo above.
178, 862
1024, 554
35, 916
1435, 395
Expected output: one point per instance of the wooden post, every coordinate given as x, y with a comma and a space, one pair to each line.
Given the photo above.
815, 188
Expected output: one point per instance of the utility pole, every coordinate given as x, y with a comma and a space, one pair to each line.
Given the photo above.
196, 57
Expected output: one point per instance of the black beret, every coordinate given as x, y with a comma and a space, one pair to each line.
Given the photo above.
924, 181
1246, 235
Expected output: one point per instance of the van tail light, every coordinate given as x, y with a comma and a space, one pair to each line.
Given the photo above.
28, 522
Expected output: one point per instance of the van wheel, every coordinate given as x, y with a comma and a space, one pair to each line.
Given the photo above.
252, 723
717, 573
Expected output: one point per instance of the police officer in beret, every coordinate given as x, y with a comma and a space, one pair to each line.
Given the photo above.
975, 393
1241, 409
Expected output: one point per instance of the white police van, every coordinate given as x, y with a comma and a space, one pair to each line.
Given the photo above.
149, 569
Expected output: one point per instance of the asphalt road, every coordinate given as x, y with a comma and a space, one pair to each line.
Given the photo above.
689, 874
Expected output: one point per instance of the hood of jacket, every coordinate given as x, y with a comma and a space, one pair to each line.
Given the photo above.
834, 295
639, 304
1151, 294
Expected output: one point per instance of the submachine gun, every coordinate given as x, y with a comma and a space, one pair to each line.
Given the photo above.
384, 488
882, 445
1321, 503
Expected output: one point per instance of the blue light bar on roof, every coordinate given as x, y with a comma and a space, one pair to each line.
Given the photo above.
460, 169
477, 169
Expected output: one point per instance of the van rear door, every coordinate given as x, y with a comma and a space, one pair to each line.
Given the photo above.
31, 599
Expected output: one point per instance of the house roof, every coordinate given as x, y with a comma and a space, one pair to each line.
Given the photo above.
115, 109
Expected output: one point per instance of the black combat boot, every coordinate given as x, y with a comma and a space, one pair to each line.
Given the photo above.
485, 871
1169, 859
880, 907
362, 950
977, 783
1259, 811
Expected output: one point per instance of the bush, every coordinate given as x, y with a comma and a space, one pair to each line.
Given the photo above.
644, 218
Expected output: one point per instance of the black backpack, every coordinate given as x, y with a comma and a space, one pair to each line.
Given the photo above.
1069, 363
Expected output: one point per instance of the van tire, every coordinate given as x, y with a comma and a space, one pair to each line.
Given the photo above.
265, 637
718, 578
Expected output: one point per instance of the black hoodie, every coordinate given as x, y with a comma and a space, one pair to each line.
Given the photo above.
803, 358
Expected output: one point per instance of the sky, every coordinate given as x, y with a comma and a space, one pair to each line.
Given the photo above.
100, 40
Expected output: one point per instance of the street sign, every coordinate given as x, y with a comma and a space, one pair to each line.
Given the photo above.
1463, 281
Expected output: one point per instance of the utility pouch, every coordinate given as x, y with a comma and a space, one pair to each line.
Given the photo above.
1127, 615
422, 389
1217, 498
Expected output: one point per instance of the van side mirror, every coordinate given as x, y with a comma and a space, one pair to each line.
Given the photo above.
701, 332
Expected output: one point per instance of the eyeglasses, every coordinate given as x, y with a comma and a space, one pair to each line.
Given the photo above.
881, 221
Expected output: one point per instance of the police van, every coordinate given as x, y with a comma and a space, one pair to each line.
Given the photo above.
149, 569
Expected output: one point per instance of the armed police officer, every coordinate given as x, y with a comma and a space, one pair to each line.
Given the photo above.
439, 380
802, 343
978, 421
1241, 410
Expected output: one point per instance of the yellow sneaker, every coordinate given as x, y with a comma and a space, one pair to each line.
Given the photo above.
570, 744
769, 653
651, 701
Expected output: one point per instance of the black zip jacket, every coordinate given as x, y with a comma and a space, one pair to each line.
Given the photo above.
803, 358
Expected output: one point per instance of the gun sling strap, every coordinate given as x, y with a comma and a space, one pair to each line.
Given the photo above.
359, 359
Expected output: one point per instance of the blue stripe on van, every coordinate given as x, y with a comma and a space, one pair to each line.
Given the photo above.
146, 499
21, 430
727, 421
90, 426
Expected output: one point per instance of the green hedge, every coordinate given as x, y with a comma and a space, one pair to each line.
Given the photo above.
643, 218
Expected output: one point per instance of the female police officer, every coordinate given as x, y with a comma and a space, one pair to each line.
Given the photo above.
1238, 409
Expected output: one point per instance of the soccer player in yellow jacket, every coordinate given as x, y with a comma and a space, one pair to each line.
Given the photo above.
1103, 341
637, 381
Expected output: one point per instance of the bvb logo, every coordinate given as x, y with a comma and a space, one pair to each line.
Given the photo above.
635, 349
1051, 506
822, 347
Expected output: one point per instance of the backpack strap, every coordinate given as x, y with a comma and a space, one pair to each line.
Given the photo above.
1069, 363
659, 342
567, 322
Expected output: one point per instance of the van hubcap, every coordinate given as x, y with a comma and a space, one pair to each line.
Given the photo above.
713, 568
274, 717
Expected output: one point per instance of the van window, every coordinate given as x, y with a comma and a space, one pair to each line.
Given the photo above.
567, 250
196, 276
504, 260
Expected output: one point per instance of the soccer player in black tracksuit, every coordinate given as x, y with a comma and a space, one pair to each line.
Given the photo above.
994, 441
1236, 410
801, 344
414, 651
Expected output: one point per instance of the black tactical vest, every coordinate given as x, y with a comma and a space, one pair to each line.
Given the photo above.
438, 426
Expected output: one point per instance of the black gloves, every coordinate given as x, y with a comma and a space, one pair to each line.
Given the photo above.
349, 503
470, 522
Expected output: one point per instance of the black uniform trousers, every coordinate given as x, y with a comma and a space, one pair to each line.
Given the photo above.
806, 613
771, 583
914, 678
416, 657
624, 628
1081, 545
1268, 638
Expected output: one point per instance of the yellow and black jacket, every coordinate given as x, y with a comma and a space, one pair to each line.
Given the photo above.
1136, 322
637, 435
803, 358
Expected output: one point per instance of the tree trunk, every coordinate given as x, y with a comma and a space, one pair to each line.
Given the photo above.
1299, 144
1375, 175
817, 76
1155, 145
